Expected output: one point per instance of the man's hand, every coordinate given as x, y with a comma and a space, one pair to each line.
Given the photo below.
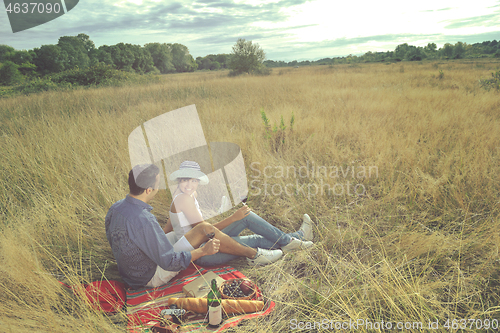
211, 247
241, 213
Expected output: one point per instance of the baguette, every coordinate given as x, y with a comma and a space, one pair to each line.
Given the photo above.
229, 306
235, 306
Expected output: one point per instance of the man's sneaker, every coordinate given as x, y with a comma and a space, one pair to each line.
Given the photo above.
265, 257
296, 244
307, 228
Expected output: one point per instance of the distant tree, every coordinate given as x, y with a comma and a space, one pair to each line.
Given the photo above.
430, 50
9, 74
21, 57
414, 53
75, 52
368, 56
214, 66
181, 59
87, 43
103, 55
123, 56
431, 47
401, 51
198, 62
27, 69
447, 50
222, 59
206, 63
212, 61
459, 50
162, 58
50, 59
6, 53
91, 49
143, 62
246, 57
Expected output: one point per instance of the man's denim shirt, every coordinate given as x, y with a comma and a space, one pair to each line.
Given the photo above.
139, 243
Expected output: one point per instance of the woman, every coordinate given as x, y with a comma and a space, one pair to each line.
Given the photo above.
185, 214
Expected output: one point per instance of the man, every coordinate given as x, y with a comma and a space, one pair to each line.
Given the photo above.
142, 251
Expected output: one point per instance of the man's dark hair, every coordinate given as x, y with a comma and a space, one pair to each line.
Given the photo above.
145, 179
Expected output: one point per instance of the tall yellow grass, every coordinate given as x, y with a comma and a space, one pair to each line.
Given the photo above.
420, 245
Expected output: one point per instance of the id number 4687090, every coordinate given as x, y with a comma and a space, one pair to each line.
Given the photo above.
33, 7
478, 324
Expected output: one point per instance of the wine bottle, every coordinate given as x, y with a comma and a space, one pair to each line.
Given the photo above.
214, 301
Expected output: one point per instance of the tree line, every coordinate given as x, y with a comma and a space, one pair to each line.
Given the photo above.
407, 52
73, 53
75, 57
79, 52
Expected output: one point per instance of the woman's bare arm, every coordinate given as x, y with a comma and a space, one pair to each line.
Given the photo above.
185, 204
168, 227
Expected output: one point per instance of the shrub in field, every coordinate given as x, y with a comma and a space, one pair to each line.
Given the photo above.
97, 75
494, 82
94, 75
247, 58
262, 70
41, 84
276, 136
440, 76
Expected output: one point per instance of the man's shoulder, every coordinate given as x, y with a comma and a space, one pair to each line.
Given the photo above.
129, 205
118, 203
126, 210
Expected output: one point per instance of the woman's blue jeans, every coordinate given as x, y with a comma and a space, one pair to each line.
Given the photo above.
266, 236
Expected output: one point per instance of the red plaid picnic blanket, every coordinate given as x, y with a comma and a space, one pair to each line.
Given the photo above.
144, 305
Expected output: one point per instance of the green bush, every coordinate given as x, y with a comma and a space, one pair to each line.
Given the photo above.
262, 70
494, 82
276, 135
441, 74
41, 84
9, 74
97, 75
100, 74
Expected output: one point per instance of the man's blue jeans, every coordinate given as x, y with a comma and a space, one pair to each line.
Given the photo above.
266, 236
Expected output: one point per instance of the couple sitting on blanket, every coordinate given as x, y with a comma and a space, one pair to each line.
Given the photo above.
146, 257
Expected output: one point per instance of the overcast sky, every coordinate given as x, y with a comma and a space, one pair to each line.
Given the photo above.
285, 29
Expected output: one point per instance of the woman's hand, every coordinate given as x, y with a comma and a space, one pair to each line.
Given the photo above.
241, 213
211, 247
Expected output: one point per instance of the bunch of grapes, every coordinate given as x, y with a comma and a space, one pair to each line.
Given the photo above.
237, 288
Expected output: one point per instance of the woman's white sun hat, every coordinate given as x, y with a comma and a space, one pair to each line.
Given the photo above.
190, 169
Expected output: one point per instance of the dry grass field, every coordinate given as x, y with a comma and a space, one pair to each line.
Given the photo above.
397, 164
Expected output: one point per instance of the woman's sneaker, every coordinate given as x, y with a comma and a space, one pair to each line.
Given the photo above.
307, 228
265, 257
296, 244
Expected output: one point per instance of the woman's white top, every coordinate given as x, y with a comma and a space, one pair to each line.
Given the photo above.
179, 221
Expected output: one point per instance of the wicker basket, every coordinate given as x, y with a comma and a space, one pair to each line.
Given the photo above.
251, 295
